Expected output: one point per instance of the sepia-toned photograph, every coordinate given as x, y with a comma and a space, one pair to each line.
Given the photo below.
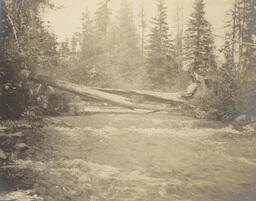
127, 100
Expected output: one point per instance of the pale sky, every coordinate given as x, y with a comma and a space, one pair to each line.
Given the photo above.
67, 20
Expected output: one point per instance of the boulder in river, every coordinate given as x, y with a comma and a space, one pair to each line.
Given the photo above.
21, 146
240, 121
18, 134
2, 155
245, 122
251, 127
2, 129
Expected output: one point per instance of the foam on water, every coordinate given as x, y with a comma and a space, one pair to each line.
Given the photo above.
134, 159
21, 195
161, 132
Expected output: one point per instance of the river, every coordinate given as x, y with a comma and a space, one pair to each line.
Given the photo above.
128, 157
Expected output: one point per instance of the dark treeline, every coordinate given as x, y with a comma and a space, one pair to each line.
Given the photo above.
116, 51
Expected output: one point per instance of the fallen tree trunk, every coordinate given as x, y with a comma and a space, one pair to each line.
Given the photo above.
110, 95
179, 97
85, 109
172, 97
95, 94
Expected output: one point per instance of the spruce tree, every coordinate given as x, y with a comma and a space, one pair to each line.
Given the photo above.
230, 37
127, 28
179, 36
88, 52
103, 14
88, 45
126, 50
143, 26
238, 73
240, 37
160, 49
199, 42
102, 22
249, 36
247, 55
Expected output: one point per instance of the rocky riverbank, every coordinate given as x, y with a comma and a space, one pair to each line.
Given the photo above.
12, 138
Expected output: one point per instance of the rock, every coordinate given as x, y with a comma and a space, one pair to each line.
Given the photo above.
245, 123
200, 114
253, 118
18, 134
240, 120
191, 89
13, 156
2, 155
21, 146
2, 129
212, 114
250, 127
24, 126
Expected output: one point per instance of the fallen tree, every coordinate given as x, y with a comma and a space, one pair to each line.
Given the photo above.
81, 109
110, 95
95, 94
179, 97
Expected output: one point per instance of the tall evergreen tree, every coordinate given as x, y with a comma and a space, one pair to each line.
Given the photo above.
127, 50
249, 35
160, 48
179, 36
230, 37
237, 78
103, 14
88, 46
240, 36
127, 28
88, 52
143, 25
245, 43
102, 21
199, 42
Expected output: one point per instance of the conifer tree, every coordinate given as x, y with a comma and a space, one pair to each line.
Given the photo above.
127, 28
240, 36
88, 45
127, 52
199, 42
246, 39
249, 36
237, 77
142, 26
88, 52
160, 48
103, 14
102, 21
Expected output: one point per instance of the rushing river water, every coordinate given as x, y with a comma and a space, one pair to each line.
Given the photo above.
153, 157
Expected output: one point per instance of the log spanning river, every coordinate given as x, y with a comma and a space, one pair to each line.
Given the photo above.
127, 157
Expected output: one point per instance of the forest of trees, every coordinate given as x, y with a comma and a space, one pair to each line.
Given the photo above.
115, 50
